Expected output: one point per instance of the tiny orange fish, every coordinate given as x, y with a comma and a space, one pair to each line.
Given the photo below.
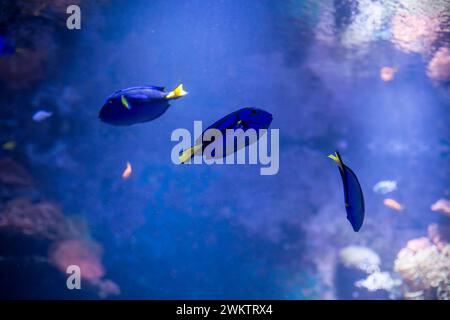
127, 172
387, 73
393, 204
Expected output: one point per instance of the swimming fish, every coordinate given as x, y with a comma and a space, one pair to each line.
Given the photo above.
127, 172
9, 146
442, 205
393, 204
387, 73
354, 198
138, 104
385, 186
245, 118
41, 115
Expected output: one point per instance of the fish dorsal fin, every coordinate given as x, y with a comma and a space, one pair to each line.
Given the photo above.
157, 88
139, 96
132, 90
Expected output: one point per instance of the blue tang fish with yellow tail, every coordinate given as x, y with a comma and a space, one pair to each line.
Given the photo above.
354, 198
138, 104
244, 119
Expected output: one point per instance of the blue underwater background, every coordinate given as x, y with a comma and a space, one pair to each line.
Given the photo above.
369, 78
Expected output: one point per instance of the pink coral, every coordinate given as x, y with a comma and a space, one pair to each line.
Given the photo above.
424, 267
438, 235
106, 288
439, 66
13, 174
414, 33
43, 219
418, 244
21, 70
87, 255
83, 253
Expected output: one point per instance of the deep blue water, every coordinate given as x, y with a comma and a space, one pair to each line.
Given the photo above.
215, 232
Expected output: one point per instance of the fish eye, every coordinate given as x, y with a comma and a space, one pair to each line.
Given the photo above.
254, 112
110, 101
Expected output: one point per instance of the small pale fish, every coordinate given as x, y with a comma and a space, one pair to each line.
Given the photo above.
41, 115
387, 73
442, 206
10, 145
385, 186
393, 204
127, 172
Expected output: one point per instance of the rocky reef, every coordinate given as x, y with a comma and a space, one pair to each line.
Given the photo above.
39, 242
424, 263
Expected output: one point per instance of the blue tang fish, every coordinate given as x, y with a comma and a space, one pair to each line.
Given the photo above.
354, 198
246, 118
138, 104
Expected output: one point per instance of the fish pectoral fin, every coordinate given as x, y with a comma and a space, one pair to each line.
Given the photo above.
187, 154
176, 93
125, 102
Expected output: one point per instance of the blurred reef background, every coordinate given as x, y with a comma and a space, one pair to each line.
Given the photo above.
367, 77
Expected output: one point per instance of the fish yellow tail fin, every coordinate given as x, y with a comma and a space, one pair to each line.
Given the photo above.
337, 159
189, 153
176, 93
334, 157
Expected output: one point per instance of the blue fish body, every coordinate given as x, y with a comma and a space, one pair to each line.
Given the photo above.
354, 198
137, 104
244, 119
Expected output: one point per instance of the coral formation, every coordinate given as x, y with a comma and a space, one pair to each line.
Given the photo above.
379, 281
83, 253
439, 234
359, 257
13, 174
22, 69
42, 220
32, 27
425, 269
67, 236
87, 255
414, 32
358, 275
439, 66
